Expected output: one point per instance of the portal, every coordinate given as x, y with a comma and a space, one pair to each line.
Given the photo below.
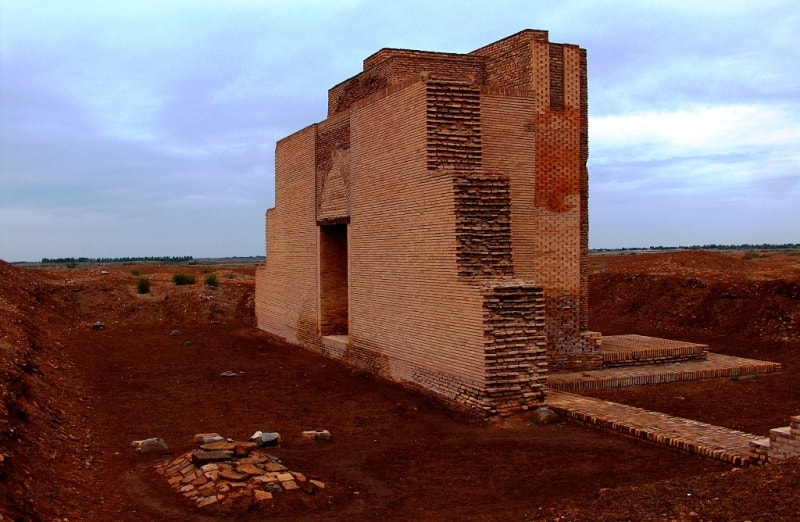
334, 316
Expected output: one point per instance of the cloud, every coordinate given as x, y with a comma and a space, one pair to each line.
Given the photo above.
148, 128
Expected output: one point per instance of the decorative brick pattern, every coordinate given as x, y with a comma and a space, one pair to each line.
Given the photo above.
557, 77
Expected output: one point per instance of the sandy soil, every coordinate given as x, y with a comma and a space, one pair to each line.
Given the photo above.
73, 399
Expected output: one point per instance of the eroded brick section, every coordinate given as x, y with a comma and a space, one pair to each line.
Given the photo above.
389, 67
483, 225
515, 344
454, 125
569, 347
341, 97
332, 168
508, 61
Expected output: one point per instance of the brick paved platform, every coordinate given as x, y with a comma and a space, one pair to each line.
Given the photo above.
692, 436
635, 350
715, 366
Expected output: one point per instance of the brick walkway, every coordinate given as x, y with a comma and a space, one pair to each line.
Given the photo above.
714, 367
695, 437
632, 360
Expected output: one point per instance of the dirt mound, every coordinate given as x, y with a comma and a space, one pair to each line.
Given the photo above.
34, 377
716, 295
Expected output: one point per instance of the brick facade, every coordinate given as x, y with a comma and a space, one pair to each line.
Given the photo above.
434, 228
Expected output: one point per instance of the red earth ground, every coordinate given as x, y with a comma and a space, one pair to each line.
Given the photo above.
73, 399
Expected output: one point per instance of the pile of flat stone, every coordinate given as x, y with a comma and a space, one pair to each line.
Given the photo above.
221, 472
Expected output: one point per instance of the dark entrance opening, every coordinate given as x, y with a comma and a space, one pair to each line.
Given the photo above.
333, 291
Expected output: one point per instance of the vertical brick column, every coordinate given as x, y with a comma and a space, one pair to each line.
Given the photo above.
514, 345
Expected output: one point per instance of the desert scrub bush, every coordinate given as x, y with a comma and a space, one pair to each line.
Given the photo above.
143, 285
211, 280
135, 272
183, 279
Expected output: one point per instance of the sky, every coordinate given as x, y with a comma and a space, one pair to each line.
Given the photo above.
148, 128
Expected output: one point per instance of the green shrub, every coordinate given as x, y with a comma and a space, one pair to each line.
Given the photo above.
183, 279
211, 280
72, 265
136, 272
143, 285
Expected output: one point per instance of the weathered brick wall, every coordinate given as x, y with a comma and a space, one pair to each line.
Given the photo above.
406, 298
392, 66
437, 223
508, 61
332, 159
514, 345
453, 125
483, 225
286, 286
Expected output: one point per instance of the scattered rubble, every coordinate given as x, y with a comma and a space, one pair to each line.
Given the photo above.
207, 438
175, 333
318, 435
225, 472
151, 445
544, 415
265, 439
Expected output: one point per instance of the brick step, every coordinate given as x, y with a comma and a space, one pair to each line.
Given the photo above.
637, 350
715, 366
759, 450
782, 443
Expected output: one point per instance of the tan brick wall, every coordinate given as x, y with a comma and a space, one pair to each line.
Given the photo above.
406, 298
286, 286
438, 221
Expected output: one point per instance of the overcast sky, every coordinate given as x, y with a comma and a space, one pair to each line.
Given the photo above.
148, 128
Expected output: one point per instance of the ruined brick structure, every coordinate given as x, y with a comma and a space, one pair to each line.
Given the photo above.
434, 229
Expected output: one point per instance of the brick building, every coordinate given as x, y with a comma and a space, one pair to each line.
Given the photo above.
434, 228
